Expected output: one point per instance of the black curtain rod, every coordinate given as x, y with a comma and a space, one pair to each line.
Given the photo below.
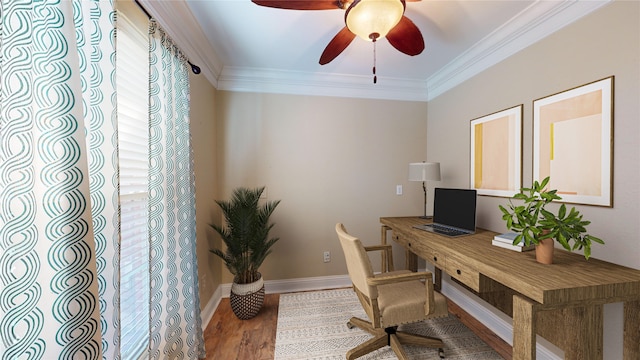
195, 68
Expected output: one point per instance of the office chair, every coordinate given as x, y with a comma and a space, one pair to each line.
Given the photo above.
389, 300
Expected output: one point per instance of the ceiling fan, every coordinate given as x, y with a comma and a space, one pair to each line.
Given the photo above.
369, 19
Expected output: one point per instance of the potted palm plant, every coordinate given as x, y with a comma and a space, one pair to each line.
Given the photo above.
537, 225
246, 236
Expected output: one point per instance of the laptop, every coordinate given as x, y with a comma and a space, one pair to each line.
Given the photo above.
454, 212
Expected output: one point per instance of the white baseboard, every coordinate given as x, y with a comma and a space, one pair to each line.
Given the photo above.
497, 322
210, 308
307, 284
277, 287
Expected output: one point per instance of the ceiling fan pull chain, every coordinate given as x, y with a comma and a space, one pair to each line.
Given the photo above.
375, 77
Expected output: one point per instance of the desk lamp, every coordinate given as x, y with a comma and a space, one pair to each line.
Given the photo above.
424, 171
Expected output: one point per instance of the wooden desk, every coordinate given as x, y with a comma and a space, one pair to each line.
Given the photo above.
562, 302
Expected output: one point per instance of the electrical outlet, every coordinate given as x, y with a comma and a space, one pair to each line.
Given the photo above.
327, 256
398, 189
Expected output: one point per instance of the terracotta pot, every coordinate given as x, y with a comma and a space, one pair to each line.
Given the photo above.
544, 251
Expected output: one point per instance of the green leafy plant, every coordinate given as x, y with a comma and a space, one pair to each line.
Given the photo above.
246, 234
534, 223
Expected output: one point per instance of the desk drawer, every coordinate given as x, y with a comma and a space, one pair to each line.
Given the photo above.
463, 273
401, 239
435, 258
423, 250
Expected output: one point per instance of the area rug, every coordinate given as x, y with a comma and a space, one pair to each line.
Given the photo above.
312, 325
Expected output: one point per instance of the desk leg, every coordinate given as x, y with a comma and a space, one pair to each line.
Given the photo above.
631, 340
577, 330
524, 328
411, 261
383, 241
437, 285
584, 332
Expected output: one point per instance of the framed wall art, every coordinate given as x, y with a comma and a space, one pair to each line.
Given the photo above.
573, 142
496, 153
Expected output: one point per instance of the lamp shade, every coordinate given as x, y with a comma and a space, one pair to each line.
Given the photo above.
378, 17
424, 171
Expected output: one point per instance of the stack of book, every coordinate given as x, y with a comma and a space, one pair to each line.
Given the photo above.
506, 241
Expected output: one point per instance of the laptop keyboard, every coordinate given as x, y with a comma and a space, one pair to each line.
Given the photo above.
440, 229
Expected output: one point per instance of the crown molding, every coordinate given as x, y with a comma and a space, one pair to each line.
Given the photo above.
178, 21
537, 21
318, 84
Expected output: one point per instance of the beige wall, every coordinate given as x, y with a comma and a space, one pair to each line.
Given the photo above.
203, 134
602, 44
328, 160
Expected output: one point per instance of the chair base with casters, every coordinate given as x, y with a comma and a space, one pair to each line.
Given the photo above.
389, 337
389, 299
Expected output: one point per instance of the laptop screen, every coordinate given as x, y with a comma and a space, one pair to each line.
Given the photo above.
455, 207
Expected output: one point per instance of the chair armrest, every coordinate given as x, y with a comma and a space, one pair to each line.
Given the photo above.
387, 255
390, 279
377, 248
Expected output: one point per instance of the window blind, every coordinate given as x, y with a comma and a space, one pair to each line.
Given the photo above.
132, 82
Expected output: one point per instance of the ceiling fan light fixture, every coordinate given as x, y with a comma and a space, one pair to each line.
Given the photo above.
367, 17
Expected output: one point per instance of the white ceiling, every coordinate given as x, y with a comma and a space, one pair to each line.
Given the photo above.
241, 46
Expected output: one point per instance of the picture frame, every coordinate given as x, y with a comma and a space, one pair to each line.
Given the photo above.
573, 142
496, 153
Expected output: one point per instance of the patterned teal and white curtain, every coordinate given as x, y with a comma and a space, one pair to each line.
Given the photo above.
176, 329
58, 181
59, 207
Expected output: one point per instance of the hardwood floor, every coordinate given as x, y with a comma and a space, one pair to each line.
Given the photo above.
228, 338
500, 346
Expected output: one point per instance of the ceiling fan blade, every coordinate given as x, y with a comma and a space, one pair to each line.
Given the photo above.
406, 37
300, 4
337, 45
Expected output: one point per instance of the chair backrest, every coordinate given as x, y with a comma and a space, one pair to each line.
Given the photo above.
358, 263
